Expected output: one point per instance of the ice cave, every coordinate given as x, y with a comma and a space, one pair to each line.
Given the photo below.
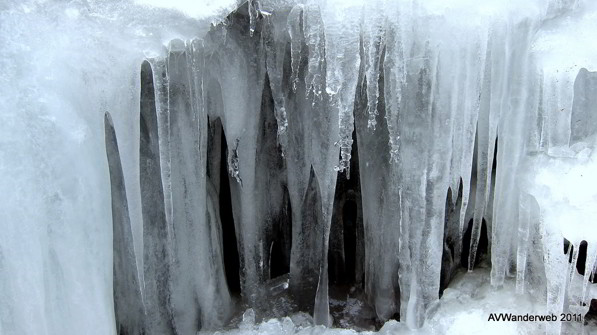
298, 167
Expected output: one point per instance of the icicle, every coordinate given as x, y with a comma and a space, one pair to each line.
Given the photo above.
297, 39
374, 43
589, 270
253, 13
394, 80
315, 42
512, 109
526, 210
275, 43
160, 78
342, 70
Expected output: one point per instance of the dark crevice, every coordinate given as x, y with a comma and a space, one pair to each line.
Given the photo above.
482, 247
282, 241
581, 258
217, 172
349, 216
346, 247
231, 255
581, 263
451, 234
271, 180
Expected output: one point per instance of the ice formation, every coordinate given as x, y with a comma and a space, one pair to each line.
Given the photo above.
161, 174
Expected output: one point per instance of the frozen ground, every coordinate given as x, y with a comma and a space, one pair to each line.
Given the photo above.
464, 309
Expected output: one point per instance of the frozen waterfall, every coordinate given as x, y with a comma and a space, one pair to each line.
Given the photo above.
298, 166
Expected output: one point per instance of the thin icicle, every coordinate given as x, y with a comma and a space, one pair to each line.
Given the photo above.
297, 39
372, 27
315, 42
253, 13
342, 69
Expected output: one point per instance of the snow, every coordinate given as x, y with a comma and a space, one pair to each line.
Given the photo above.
564, 187
65, 65
193, 8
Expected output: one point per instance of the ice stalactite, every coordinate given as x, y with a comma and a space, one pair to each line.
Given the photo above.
315, 74
188, 189
156, 233
372, 27
296, 34
128, 304
583, 121
342, 59
162, 106
193, 234
235, 61
518, 101
346, 262
378, 217
275, 44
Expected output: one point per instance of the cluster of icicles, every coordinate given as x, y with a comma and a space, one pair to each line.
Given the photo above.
429, 93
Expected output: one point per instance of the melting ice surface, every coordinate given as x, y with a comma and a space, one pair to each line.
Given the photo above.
165, 167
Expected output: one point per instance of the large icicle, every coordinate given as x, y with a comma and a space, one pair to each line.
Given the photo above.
156, 235
342, 69
274, 41
128, 304
517, 99
235, 62
188, 192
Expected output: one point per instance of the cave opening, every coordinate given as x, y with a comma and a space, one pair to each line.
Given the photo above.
346, 249
231, 256
281, 244
271, 178
346, 246
451, 235
349, 220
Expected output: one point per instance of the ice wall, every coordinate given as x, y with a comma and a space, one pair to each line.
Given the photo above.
64, 65
103, 107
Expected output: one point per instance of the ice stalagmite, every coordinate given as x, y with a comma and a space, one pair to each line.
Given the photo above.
275, 42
